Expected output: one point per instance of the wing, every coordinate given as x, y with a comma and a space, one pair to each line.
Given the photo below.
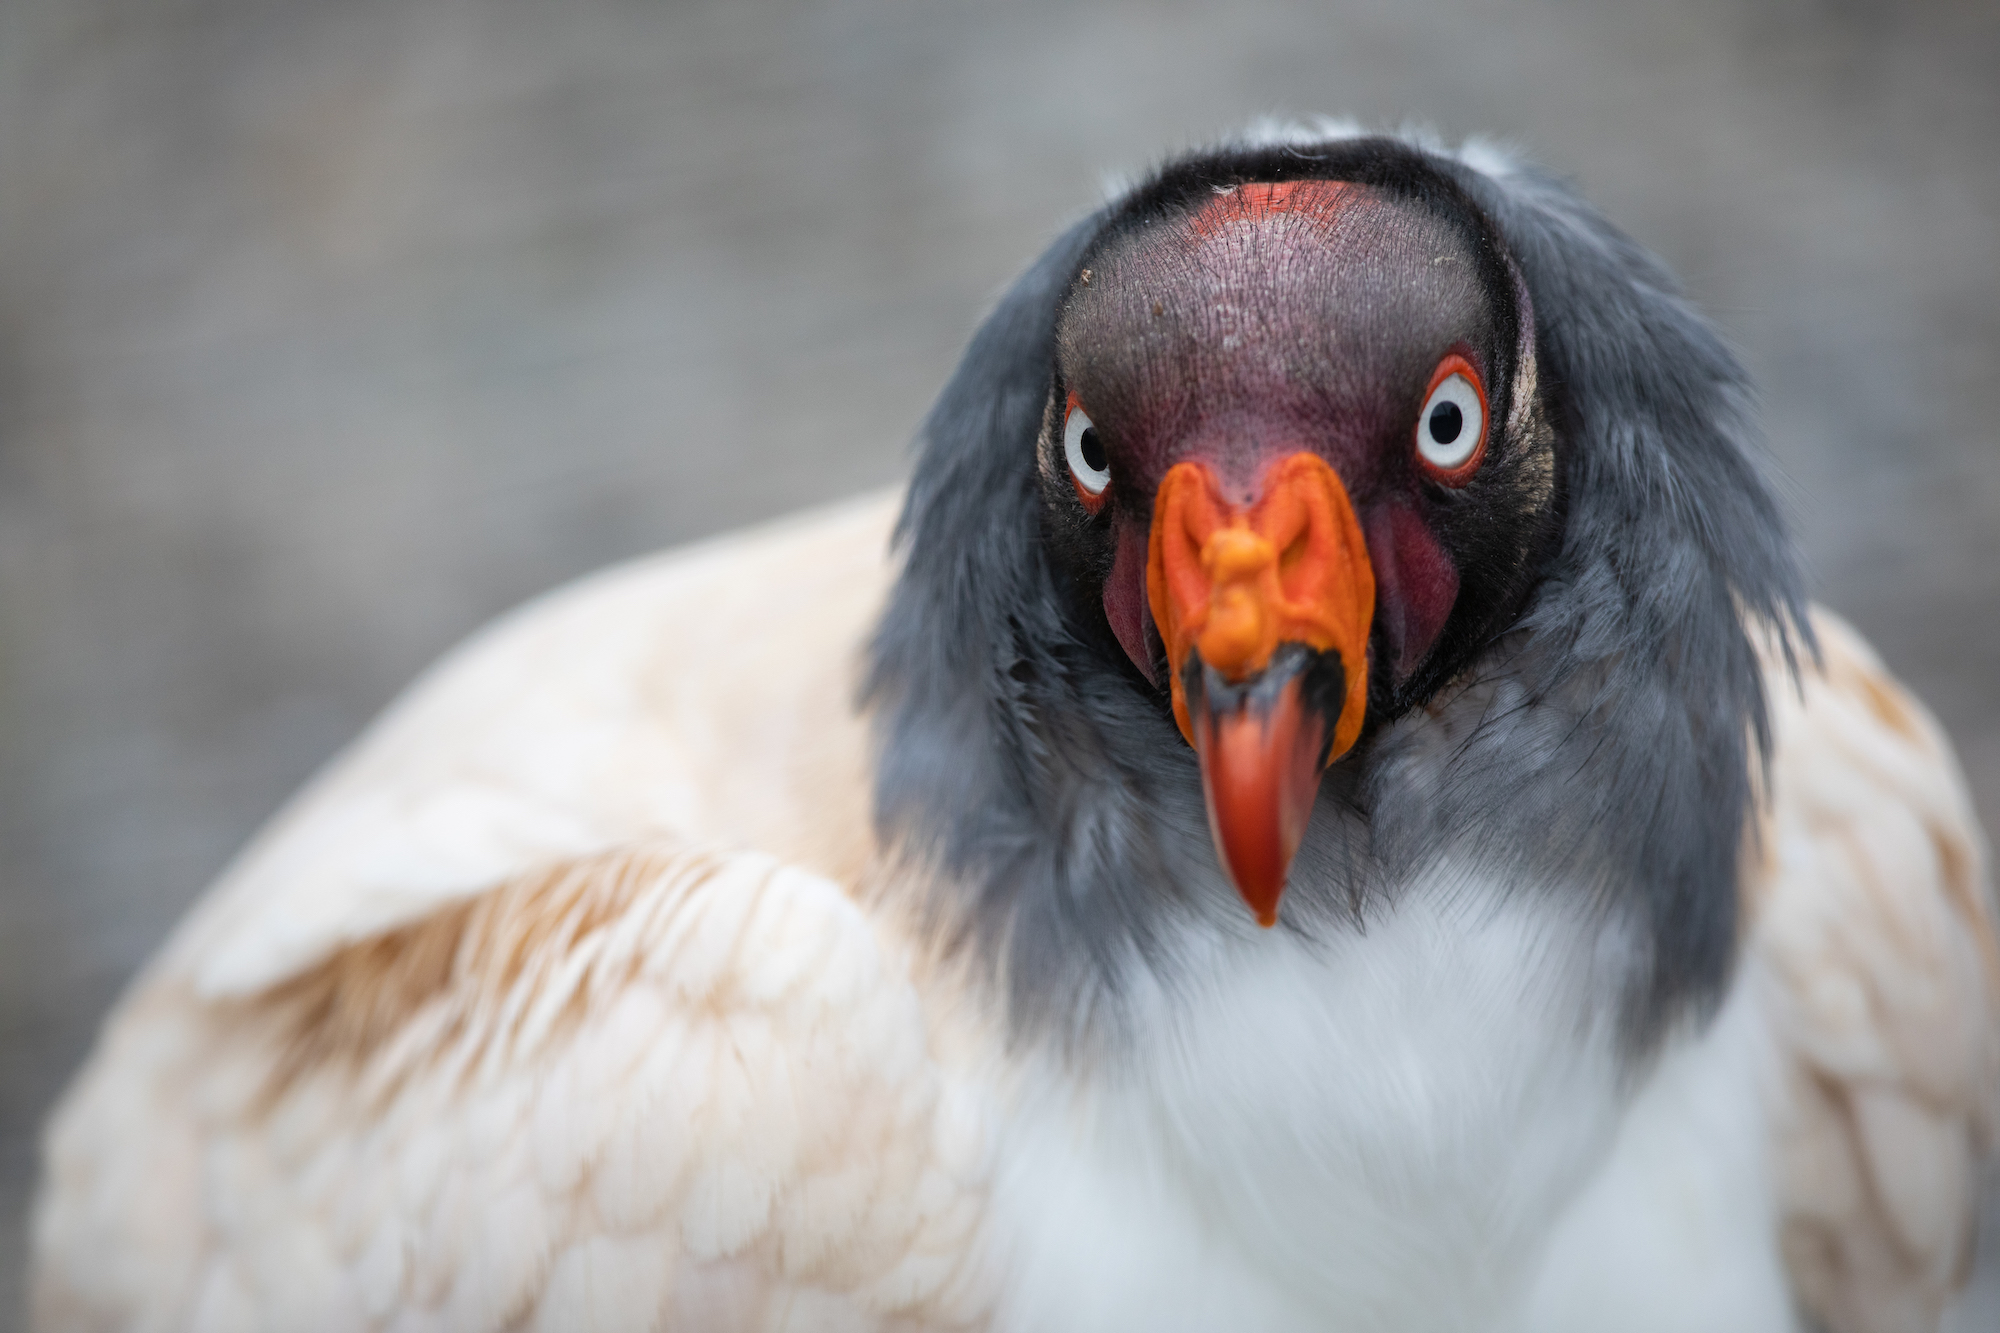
501, 1025
1875, 941
648, 1089
705, 695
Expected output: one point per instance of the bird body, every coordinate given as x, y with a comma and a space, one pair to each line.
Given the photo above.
627, 975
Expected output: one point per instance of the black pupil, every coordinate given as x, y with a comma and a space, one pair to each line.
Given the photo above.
1092, 450
1446, 422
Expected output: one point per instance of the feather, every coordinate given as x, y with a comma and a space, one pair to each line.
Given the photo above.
686, 1121
549, 1059
1874, 922
657, 699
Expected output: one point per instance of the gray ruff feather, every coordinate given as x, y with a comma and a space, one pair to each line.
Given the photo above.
1601, 743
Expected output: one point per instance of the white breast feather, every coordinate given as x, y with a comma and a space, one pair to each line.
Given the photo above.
1370, 1133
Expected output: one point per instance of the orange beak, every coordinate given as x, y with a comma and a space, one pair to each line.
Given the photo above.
1264, 610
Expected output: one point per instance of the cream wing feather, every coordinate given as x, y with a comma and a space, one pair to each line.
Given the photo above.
515, 1020
1874, 928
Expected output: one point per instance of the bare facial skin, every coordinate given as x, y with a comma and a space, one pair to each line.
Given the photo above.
1302, 316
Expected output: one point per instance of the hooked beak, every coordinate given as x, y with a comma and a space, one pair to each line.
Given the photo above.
1264, 610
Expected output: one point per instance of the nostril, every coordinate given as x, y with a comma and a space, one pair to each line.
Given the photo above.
1293, 554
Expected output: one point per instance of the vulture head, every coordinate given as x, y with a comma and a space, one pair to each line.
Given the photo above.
1295, 446
1313, 512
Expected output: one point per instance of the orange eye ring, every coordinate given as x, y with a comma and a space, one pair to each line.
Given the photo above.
1456, 395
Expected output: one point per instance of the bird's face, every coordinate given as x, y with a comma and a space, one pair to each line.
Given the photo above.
1294, 446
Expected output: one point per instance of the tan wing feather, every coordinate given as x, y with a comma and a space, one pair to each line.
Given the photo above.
466, 1039
1875, 935
706, 694
650, 1089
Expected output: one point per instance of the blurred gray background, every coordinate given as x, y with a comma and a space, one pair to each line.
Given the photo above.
329, 330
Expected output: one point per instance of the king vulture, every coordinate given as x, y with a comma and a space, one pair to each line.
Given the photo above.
1324, 807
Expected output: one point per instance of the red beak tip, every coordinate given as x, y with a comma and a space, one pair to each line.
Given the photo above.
1260, 774
1261, 890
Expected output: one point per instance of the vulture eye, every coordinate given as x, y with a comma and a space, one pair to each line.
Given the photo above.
1451, 430
1089, 466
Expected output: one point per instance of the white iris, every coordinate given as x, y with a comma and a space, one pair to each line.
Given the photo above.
1448, 431
1086, 455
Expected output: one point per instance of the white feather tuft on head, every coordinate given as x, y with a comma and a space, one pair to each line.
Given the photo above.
1277, 131
1490, 157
